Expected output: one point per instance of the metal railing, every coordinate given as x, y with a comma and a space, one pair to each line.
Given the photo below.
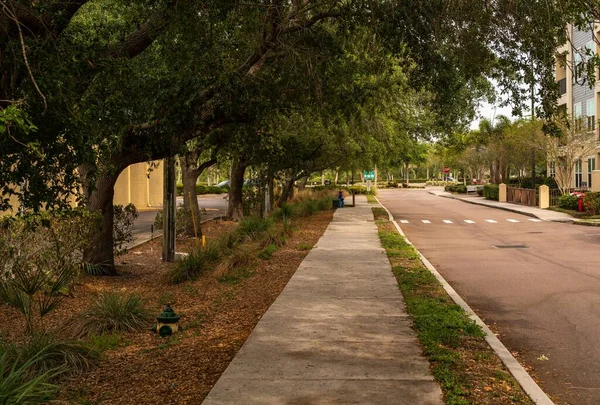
523, 196
555, 194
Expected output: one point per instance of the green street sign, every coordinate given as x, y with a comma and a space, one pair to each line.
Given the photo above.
369, 175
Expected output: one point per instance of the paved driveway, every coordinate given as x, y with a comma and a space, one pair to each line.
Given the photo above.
214, 204
543, 298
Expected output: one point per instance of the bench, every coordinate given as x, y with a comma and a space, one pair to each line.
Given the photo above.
473, 189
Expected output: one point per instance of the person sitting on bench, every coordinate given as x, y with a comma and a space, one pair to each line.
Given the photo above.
341, 198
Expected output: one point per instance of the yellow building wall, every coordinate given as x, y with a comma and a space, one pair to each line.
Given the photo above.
121, 188
138, 185
155, 186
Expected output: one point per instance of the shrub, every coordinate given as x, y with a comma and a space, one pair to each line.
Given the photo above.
52, 354
110, 312
40, 257
491, 192
197, 262
254, 228
273, 237
480, 191
267, 252
237, 266
461, 188
123, 226
308, 207
568, 202
591, 203
18, 385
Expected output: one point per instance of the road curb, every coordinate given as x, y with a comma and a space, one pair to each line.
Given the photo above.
528, 214
523, 378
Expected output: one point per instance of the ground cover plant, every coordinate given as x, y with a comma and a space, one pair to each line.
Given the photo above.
119, 359
467, 369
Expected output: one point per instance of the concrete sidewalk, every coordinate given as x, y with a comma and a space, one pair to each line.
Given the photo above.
337, 334
546, 215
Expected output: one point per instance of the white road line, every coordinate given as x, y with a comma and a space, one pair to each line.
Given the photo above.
468, 221
426, 221
447, 221
404, 221
513, 220
491, 221
535, 220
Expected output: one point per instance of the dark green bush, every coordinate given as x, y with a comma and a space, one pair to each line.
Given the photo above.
491, 192
568, 202
460, 188
480, 191
197, 262
254, 227
591, 203
110, 312
202, 189
267, 252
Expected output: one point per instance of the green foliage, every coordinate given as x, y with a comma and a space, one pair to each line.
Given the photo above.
569, 202
456, 188
237, 266
591, 203
52, 354
110, 312
201, 189
40, 256
274, 237
254, 228
491, 192
268, 251
105, 342
123, 226
18, 385
304, 246
196, 263
480, 191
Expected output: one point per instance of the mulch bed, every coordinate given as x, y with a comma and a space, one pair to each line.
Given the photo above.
216, 317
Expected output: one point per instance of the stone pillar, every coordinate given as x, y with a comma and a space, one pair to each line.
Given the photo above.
502, 192
544, 197
596, 180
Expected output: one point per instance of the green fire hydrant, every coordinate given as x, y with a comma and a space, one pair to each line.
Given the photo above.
167, 322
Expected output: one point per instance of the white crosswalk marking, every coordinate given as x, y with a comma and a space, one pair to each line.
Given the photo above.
512, 220
491, 221
403, 221
447, 221
535, 220
468, 221
426, 221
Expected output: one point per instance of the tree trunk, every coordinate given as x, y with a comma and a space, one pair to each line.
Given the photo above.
287, 193
303, 182
190, 173
100, 200
236, 183
337, 173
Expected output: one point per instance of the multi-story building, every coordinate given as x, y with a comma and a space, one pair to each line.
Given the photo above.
579, 101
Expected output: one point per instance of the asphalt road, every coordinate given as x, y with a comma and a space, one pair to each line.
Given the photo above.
542, 299
214, 204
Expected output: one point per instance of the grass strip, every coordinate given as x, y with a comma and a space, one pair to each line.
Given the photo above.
467, 369
371, 199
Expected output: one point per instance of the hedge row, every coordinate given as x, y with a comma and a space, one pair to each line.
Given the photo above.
491, 192
456, 188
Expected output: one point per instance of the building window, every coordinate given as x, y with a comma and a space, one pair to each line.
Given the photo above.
590, 111
553, 169
578, 113
591, 47
591, 168
578, 173
578, 67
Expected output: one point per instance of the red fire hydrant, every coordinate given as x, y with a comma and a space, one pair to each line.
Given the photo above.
580, 204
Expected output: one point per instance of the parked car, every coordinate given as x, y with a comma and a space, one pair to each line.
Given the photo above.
247, 182
223, 184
